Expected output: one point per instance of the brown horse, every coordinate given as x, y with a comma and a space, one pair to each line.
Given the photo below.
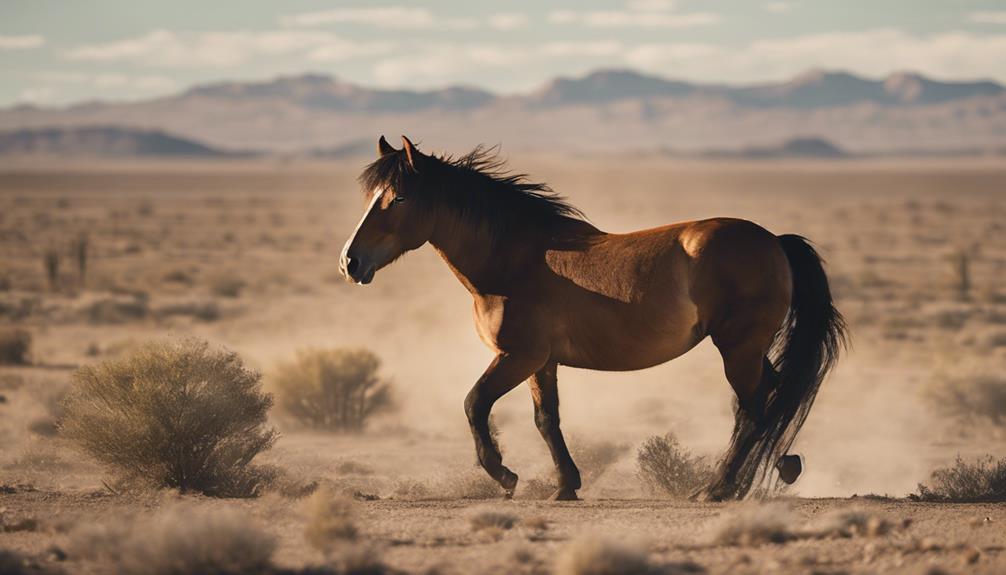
550, 289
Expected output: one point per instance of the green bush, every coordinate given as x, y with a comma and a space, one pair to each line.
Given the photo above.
179, 415
335, 390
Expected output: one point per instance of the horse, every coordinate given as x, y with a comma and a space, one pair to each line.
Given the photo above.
551, 289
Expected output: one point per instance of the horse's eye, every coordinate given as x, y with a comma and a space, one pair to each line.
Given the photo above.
398, 199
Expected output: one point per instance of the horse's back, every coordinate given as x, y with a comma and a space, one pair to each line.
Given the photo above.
629, 301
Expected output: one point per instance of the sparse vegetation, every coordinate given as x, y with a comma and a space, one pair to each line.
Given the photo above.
330, 521
593, 458
227, 285
179, 415
179, 540
334, 390
982, 480
491, 518
591, 556
80, 248
668, 468
50, 260
753, 524
979, 397
15, 346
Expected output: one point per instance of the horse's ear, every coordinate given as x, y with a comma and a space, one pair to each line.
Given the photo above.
384, 148
413, 154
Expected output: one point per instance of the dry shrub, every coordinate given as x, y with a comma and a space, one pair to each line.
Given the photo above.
179, 415
117, 309
14, 563
845, 523
983, 480
330, 521
204, 310
179, 540
667, 467
227, 286
596, 557
15, 346
491, 518
754, 524
593, 458
334, 390
978, 397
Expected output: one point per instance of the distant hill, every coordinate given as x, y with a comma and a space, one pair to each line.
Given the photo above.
606, 110
103, 142
796, 148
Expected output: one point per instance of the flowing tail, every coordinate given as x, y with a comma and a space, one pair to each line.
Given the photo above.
806, 348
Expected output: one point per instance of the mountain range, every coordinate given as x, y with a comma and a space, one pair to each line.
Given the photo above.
607, 110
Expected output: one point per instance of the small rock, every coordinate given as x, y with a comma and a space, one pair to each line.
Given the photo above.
972, 554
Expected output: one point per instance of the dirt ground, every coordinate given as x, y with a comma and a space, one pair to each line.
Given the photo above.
168, 243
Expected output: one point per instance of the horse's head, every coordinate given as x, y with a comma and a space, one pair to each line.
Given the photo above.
393, 222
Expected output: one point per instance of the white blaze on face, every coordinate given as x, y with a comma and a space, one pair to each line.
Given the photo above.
374, 200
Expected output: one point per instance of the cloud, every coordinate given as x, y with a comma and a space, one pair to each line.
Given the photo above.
872, 52
594, 49
507, 21
988, 17
397, 17
21, 42
164, 48
778, 7
633, 18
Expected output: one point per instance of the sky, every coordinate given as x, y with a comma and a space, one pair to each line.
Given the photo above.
59, 52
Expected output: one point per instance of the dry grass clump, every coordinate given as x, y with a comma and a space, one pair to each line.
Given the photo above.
14, 563
179, 415
748, 525
203, 310
15, 346
229, 286
978, 397
179, 540
591, 556
983, 480
491, 518
593, 458
330, 520
667, 467
334, 390
845, 523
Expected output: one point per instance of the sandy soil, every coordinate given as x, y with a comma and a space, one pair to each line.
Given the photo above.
162, 239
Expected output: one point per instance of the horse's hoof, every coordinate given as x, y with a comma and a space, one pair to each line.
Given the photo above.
790, 467
508, 480
564, 494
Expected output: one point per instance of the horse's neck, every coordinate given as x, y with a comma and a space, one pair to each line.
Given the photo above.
481, 264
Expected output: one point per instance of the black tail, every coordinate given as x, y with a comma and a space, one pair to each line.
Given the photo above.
806, 348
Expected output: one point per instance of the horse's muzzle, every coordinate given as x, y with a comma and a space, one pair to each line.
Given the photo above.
356, 270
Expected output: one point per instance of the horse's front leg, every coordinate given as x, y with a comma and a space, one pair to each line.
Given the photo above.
545, 393
506, 372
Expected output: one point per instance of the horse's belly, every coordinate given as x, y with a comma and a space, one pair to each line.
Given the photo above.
629, 339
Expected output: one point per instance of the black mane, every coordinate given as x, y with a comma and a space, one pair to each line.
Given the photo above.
476, 185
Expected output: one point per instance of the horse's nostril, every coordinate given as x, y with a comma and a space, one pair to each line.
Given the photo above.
352, 264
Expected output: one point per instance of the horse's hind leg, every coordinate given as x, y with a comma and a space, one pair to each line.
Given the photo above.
751, 376
545, 393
